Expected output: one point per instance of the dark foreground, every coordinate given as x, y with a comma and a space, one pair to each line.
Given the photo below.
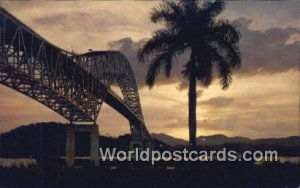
204, 174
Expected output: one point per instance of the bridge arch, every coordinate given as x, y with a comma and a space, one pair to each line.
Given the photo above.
112, 67
73, 85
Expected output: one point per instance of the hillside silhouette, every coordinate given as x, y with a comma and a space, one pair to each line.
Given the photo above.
30, 141
48, 139
220, 139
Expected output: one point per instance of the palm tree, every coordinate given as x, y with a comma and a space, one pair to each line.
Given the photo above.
192, 28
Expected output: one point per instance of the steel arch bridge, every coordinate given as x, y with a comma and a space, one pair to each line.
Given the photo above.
73, 85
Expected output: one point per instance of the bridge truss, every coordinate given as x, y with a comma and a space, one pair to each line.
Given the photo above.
73, 85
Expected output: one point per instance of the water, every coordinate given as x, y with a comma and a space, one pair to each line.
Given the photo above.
25, 162
292, 160
19, 162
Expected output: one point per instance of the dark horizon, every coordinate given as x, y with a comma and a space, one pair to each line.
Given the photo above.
151, 133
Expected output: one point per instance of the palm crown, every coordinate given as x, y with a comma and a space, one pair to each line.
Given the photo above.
213, 45
193, 28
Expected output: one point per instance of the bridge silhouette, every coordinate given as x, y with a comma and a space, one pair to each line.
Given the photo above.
73, 85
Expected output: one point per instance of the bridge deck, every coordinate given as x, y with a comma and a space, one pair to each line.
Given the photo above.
60, 79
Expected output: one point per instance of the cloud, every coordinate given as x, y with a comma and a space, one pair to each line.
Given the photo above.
263, 52
51, 19
265, 14
218, 102
130, 48
199, 93
183, 85
79, 26
269, 51
265, 98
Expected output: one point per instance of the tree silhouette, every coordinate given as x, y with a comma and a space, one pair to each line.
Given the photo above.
192, 28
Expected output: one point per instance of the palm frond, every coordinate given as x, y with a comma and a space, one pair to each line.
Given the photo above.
225, 30
212, 9
204, 71
224, 74
189, 26
160, 39
169, 12
189, 5
163, 58
226, 36
234, 56
168, 68
224, 67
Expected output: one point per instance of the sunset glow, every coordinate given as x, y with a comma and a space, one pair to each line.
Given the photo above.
263, 100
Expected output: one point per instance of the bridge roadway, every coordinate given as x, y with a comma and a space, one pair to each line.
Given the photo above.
72, 85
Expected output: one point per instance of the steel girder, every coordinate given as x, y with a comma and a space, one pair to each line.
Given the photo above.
74, 86
112, 67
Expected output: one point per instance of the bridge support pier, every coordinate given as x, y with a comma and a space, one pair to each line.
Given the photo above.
94, 149
70, 143
138, 139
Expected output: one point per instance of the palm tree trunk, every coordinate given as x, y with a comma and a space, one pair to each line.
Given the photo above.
192, 111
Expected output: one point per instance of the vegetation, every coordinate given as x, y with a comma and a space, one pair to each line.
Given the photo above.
212, 44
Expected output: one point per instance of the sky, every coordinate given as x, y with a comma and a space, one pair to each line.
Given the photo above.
262, 101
